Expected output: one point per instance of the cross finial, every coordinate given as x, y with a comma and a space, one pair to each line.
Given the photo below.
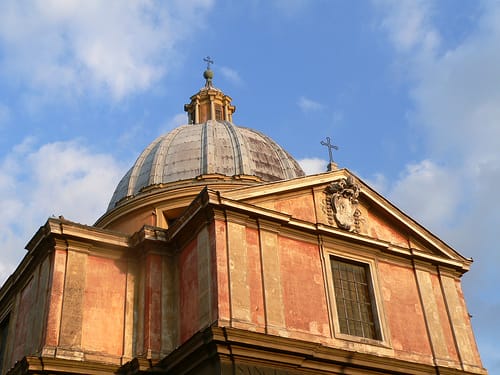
330, 146
209, 61
208, 74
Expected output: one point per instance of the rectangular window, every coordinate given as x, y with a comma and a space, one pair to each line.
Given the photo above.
218, 112
356, 308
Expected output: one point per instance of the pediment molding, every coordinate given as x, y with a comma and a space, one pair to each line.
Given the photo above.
345, 201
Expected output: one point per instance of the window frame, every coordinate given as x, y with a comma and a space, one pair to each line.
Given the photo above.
219, 112
376, 300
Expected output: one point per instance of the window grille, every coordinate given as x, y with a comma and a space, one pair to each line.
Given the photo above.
218, 112
354, 299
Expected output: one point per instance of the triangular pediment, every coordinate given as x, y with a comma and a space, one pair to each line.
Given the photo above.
342, 202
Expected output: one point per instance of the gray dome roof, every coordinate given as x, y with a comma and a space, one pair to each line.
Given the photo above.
212, 147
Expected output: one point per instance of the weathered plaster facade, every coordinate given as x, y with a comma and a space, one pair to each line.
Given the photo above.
233, 275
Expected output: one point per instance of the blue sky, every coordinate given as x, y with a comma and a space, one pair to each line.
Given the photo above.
408, 90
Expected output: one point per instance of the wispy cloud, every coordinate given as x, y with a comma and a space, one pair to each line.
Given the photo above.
290, 8
409, 25
56, 178
231, 75
308, 105
115, 48
456, 96
173, 122
429, 192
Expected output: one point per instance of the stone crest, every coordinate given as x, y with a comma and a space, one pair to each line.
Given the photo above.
342, 203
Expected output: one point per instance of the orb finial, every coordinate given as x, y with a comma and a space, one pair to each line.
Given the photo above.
208, 74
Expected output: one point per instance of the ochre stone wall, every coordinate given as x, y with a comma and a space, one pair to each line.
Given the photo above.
299, 206
72, 306
254, 278
304, 294
311, 205
221, 273
188, 291
381, 229
404, 313
238, 268
103, 306
197, 284
152, 303
273, 281
446, 349
27, 316
23, 319
56, 293
134, 221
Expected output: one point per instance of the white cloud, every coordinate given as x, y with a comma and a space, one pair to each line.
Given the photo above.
57, 178
456, 95
313, 165
308, 105
231, 75
409, 25
290, 8
115, 48
175, 121
431, 193
378, 182
458, 99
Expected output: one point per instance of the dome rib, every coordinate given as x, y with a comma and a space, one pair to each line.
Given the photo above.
204, 148
237, 156
283, 157
135, 173
212, 147
161, 155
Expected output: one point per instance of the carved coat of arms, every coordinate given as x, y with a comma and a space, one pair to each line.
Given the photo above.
342, 201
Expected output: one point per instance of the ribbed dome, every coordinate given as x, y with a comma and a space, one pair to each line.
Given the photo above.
211, 147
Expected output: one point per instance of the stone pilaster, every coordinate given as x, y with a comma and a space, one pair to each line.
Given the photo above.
70, 338
238, 270
271, 275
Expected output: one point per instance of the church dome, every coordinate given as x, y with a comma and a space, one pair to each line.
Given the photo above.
212, 147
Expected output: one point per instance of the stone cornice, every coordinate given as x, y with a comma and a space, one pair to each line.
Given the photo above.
44, 365
179, 193
69, 236
367, 194
457, 263
68, 229
242, 348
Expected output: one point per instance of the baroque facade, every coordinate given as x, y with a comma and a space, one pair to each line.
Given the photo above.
217, 255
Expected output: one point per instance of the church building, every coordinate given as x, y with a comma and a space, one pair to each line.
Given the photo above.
218, 255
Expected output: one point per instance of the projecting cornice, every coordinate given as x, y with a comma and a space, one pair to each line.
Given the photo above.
231, 351
217, 201
416, 232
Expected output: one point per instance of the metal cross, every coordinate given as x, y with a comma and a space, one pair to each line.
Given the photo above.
209, 61
330, 146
